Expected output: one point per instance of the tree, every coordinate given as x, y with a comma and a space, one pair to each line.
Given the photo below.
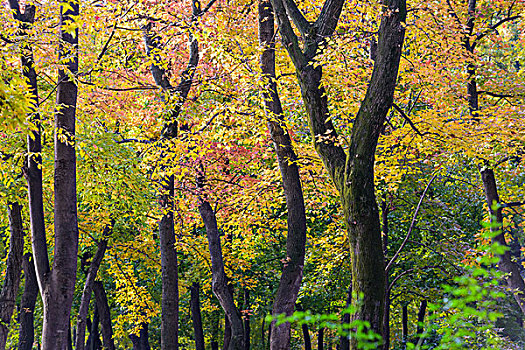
352, 171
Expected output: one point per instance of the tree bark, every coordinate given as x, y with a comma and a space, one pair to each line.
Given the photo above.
141, 342
505, 264
227, 336
13, 271
320, 339
219, 280
33, 171
404, 324
246, 319
86, 293
306, 336
344, 340
352, 172
292, 272
168, 252
196, 316
26, 333
104, 314
421, 319
59, 284
386, 313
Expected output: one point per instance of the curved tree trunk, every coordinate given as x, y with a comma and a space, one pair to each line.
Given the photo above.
292, 273
86, 293
352, 171
219, 279
105, 315
13, 270
26, 333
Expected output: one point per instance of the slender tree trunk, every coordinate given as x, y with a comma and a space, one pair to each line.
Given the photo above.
421, 319
227, 333
94, 344
215, 331
86, 294
292, 273
386, 312
195, 306
320, 339
247, 319
306, 336
505, 264
33, 171
105, 315
168, 252
13, 271
404, 324
352, 171
344, 341
26, 333
219, 280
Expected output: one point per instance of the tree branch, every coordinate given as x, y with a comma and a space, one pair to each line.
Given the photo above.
414, 218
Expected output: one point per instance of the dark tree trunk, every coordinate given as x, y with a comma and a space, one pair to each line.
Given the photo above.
320, 338
386, 313
306, 336
195, 306
26, 333
33, 172
168, 252
421, 319
505, 265
94, 343
345, 341
105, 315
60, 284
215, 332
13, 271
227, 333
141, 342
353, 171
219, 280
404, 324
246, 319
292, 273
86, 293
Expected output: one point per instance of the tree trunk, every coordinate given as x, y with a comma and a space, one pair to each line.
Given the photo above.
33, 171
320, 339
26, 333
60, 285
246, 319
219, 280
421, 319
141, 342
386, 313
94, 339
196, 316
292, 273
404, 324
345, 341
352, 172
86, 293
104, 314
227, 333
168, 252
505, 264
13, 271
306, 336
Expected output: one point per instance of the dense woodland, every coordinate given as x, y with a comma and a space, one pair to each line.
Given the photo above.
270, 174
